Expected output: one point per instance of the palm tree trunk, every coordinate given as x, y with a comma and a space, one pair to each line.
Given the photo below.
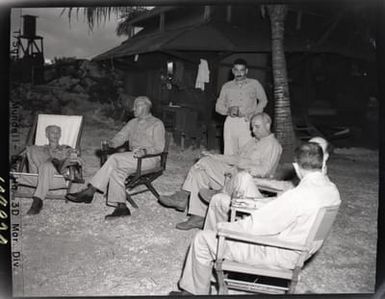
283, 123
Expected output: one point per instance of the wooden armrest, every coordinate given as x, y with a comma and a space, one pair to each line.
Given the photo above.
139, 164
261, 240
150, 156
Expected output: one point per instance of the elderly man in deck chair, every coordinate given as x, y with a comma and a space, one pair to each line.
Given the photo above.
48, 160
146, 135
260, 156
289, 217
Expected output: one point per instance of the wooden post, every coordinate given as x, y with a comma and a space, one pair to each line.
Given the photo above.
161, 22
228, 13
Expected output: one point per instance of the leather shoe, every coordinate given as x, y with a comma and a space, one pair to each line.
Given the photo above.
207, 194
85, 196
178, 200
119, 212
180, 293
36, 206
193, 222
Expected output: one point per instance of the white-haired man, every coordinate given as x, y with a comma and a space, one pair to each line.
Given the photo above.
47, 160
146, 135
260, 156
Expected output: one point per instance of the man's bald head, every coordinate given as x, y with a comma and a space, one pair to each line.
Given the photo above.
260, 125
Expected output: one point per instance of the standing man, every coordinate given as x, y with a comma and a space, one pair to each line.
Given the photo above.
239, 99
146, 135
289, 217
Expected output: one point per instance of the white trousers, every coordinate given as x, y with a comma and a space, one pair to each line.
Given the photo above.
236, 133
218, 211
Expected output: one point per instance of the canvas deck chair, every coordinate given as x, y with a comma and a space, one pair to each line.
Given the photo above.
264, 278
71, 130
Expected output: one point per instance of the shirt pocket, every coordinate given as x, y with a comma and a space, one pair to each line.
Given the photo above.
252, 94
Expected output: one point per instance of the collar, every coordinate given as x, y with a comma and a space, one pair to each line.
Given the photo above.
313, 176
241, 83
144, 117
271, 135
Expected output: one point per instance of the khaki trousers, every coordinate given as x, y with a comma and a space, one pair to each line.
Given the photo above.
236, 133
206, 173
114, 172
44, 181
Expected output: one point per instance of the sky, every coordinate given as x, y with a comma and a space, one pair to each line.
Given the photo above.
62, 38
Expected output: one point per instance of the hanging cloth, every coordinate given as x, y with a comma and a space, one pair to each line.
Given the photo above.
203, 75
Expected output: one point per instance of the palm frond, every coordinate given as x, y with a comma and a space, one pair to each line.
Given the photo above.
95, 16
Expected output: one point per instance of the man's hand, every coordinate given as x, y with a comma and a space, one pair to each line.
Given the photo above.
233, 111
205, 153
139, 152
250, 203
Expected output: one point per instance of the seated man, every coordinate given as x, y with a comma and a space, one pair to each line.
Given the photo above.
244, 185
260, 156
289, 217
47, 160
146, 135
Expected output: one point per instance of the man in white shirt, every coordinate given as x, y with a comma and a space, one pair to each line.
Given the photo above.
289, 217
239, 99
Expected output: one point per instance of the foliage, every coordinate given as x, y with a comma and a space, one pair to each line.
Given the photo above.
97, 15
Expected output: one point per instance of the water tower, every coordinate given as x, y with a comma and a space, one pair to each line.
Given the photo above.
29, 51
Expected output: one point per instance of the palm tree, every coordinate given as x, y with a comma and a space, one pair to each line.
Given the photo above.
97, 15
282, 119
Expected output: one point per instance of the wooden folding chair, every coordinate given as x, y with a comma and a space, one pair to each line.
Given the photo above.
264, 278
144, 177
71, 130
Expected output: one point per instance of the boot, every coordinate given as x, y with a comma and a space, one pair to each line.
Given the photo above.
180, 293
178, 200
85, 195
36, 206
193, 222
120, 211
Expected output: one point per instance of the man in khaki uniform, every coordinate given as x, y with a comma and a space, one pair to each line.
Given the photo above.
47, 160
146, 135
260, 156
239, 99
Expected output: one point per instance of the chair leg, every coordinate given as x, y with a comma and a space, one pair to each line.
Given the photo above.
152, 189
294, 281
222, 287
131, 201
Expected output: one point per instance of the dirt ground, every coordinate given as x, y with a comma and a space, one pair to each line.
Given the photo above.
70, 250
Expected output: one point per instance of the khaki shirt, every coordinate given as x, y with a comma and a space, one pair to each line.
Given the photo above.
147, 133
258, 157
39, 154
249, 96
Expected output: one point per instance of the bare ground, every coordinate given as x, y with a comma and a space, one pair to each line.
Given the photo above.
70, 250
